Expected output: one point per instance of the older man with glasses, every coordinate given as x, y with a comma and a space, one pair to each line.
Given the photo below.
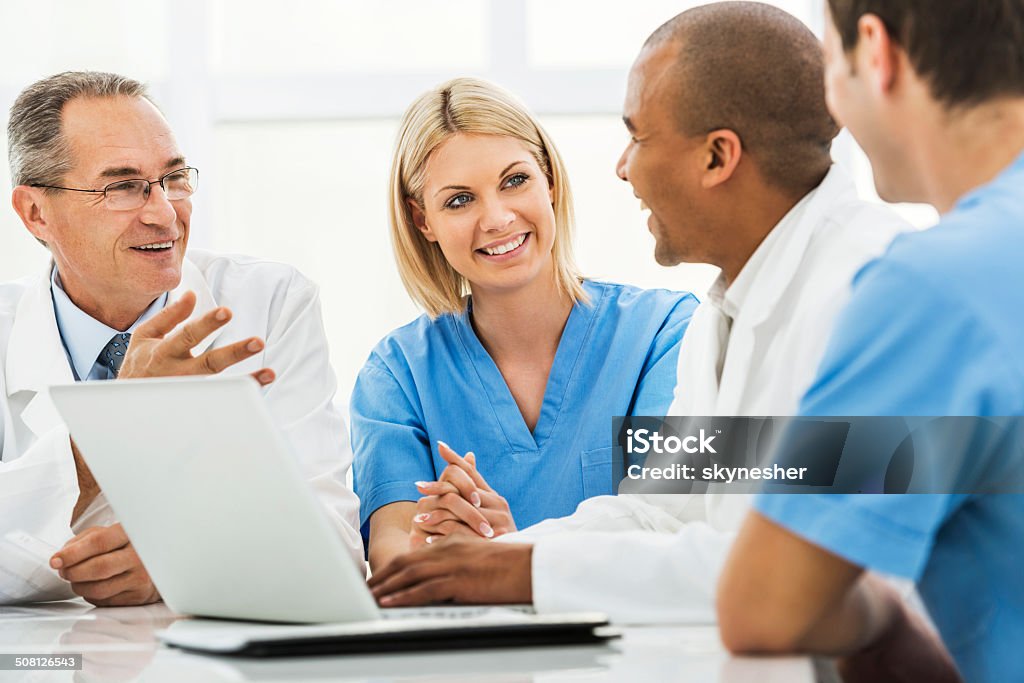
100, 182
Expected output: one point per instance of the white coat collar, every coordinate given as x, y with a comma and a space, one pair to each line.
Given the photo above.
773, 266
35, 355
36, 358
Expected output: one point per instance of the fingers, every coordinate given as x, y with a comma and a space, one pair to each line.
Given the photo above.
443, 523
416, 539
433, 515
130, 598
265, 376
448, 454
407, 571
156, 352
453, 458
397, 565
180, 345
89, 543
102, 566
457, 477
166, 320
427, 592
106, 588
465, 513
130, 588
435, 488
216, 360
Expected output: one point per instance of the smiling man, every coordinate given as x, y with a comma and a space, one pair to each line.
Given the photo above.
101, 182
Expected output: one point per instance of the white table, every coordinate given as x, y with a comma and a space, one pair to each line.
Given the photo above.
118, 644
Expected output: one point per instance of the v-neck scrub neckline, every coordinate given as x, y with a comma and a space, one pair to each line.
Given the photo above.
496, 389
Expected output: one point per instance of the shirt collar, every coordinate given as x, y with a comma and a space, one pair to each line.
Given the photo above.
1006, 176
730, 299
82, 335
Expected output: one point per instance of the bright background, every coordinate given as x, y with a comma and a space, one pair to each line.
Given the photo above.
290, 112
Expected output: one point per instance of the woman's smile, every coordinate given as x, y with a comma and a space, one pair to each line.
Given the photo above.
505, 250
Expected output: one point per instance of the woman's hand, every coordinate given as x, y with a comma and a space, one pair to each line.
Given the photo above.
460, 502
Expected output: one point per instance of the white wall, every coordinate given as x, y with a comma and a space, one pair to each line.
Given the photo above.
290, 110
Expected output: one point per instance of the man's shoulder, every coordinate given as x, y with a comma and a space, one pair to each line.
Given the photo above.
13, 291
246, 273
856, 229
968, 265
986, 230
848, 235
970, 250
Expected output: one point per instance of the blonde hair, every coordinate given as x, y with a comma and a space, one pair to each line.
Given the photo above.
466, 105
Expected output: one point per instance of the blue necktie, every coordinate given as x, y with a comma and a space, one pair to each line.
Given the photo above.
113, 353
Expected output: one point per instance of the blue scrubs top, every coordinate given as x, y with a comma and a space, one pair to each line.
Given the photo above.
935, 327
433, 380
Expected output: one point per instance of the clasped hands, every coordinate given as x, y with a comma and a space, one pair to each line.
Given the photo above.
456, 516
460, 502
100, 563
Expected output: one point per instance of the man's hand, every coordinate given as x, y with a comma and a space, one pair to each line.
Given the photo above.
457, 569
152, 353
460, 502
103, 568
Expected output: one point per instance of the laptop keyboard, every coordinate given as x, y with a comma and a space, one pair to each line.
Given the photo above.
454, 612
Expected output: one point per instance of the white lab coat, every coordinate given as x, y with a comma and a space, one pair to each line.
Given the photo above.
646, 559
38, 482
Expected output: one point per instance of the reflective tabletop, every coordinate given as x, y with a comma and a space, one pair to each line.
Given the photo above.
120, 644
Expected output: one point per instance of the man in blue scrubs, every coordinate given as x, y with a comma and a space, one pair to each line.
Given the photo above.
936, 98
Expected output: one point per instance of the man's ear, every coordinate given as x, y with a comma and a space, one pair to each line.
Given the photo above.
877, 54
30, 205
419, 219
722, 152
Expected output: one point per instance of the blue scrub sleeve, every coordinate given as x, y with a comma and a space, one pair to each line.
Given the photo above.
389, 444
657, 383
895, 351
888, 533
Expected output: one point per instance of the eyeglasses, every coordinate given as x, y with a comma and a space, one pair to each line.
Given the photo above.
125, 195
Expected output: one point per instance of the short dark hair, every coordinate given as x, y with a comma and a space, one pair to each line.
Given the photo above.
759, 72
968, 51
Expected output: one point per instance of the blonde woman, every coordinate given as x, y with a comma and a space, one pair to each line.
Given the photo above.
518, 359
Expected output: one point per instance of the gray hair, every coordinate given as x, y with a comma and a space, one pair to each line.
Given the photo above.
38, 152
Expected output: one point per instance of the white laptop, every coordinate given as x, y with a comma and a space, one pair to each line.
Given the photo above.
202, 481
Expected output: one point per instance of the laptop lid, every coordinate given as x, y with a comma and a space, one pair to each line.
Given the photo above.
216, 507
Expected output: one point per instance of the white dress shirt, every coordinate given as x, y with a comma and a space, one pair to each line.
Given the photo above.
83, 336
